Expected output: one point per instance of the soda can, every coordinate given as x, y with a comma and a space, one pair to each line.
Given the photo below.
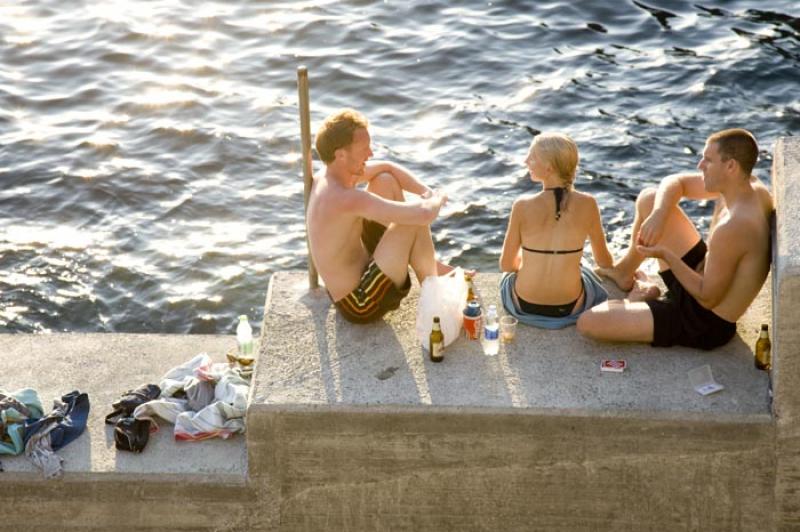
472, 321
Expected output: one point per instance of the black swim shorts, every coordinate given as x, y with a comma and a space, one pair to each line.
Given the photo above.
678, 319
375, 294
371, 234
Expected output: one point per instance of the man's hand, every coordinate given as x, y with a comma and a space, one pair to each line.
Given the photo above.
656, 252
433, 202
652, 229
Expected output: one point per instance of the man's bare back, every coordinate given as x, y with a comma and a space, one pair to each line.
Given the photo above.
748, 224
335, 238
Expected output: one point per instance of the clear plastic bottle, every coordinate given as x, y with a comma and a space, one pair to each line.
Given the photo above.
244, 337
491, 333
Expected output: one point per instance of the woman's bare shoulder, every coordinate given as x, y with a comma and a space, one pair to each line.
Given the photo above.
583, 200
528, 199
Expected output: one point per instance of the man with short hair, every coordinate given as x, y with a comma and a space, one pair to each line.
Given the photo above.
709, 287
363, 241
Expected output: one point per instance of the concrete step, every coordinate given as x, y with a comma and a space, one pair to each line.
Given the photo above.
177, 485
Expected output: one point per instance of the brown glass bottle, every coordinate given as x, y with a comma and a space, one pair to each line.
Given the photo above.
763, 358
436, 345
470, 288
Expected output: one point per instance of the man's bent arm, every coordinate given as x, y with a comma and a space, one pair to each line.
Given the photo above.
385, 211
724, 252
670, 191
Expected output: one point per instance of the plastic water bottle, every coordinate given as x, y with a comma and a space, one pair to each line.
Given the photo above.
244, 337
491, 333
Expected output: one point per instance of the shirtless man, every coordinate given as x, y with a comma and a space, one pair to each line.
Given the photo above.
709, 288
363, 241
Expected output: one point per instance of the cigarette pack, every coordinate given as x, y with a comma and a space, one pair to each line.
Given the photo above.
613, 366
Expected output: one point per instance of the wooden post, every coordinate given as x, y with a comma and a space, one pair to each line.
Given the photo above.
305, 139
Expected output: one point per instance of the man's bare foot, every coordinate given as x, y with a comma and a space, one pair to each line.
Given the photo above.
644, 291
624, 281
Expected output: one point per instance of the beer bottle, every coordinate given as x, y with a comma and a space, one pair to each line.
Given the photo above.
764, 349
470, 288
436, 345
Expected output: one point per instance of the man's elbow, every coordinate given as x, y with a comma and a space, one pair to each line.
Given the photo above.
710, 301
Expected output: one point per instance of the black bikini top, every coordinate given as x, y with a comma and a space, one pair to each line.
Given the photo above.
559, 193
553, 251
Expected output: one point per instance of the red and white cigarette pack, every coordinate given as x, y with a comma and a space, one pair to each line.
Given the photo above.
613, 366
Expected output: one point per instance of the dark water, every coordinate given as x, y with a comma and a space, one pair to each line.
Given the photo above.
149, 152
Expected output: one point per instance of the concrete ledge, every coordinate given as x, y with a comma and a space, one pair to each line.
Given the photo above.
171, 485
105, 366
352, 428
313, 356
786, 343
439, 468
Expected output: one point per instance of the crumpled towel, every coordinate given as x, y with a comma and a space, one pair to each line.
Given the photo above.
222, 416
16, 408
63, 425
39, 450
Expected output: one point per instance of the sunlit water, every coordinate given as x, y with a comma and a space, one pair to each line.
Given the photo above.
149, 151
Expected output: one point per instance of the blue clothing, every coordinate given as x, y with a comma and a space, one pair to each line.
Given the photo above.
70, 420
594, 295
15, 409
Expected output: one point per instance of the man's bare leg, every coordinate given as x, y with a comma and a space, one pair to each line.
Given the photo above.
403, 246
385, 185
618, 321
680, 235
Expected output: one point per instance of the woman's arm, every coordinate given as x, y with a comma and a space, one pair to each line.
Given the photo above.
597, 237
511, 256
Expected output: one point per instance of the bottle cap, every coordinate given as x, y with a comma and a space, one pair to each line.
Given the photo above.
764, 327
436, 319
243, 317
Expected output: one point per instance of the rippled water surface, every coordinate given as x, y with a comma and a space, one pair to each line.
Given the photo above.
149, 151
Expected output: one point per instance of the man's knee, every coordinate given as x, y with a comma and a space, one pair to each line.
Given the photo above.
587, 324
646, 200
385, 185
593, 322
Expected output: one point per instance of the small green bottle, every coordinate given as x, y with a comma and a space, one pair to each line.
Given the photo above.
436, 345
763, 358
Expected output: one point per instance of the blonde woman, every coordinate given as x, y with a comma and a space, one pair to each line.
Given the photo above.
546, 284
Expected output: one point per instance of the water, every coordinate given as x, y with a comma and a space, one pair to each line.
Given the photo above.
149, 152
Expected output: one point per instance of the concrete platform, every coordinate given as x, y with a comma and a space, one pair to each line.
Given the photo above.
105, 366
171, 485
352, 428
316, 358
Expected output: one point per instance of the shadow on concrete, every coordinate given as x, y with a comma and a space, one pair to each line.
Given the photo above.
368, 365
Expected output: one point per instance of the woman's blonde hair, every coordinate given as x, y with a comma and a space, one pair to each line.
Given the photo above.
561, 152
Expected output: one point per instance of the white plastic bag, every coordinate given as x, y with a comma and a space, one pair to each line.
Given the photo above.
444, 296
